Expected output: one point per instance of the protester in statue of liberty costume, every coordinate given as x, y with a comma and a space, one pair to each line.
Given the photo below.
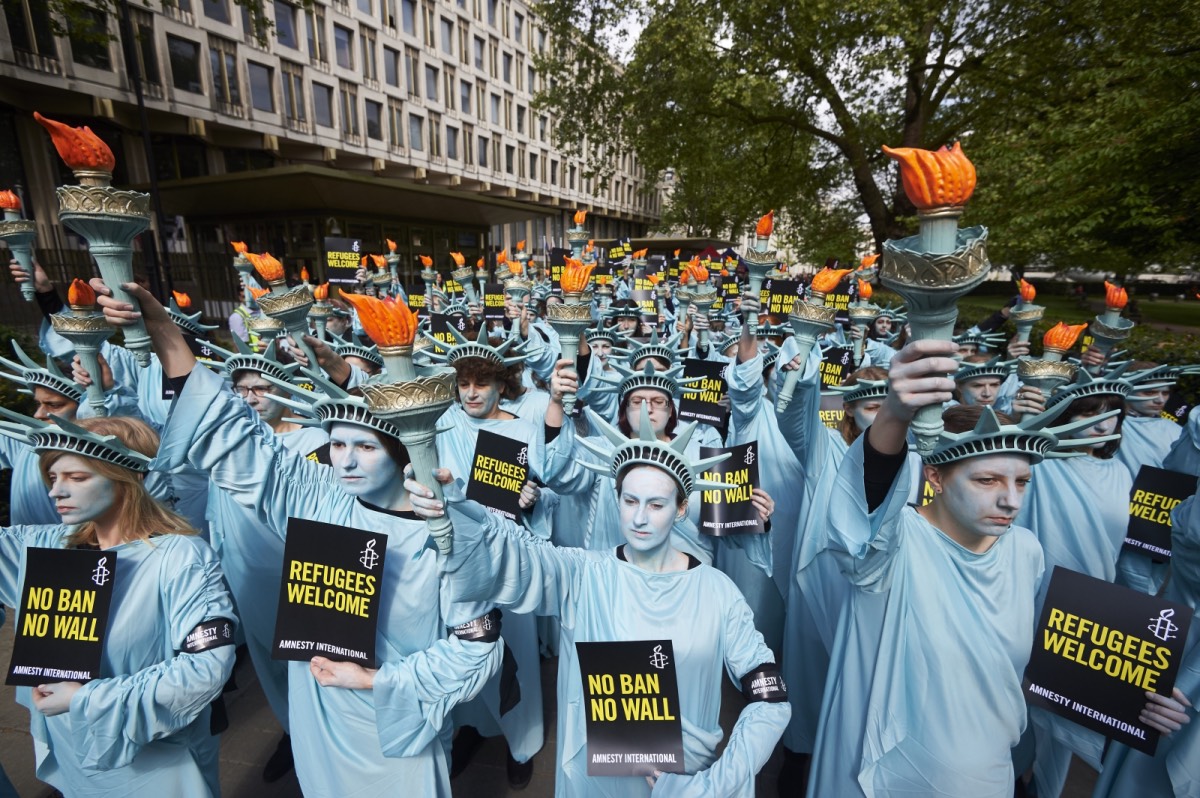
659, 356
1079, 510
354, 731
1147, 437
980, 380
924, 692
643, 589
53, 394
1175, 767
603, 345
488, 373
142, 728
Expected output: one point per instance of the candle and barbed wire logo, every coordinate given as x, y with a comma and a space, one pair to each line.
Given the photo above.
658, 659
101, 574
368, 556
749, 458
1162, 627
523, 455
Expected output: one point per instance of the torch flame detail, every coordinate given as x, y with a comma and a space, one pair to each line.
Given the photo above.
654, 278
239, 247
303, 274
258, 292
640, 254
1062, 336
521, 245
321, 292
765, 226
386, 321
935, 178
182, 300
80, 294
502, 257
1114, 296
9, 201
868, 261
380, 262
79, 147
391, 245
677, 252
864, 290
580, 218
575, 276
426, 261
268, 267
827, 279
459, 260
1028, 292
697, 272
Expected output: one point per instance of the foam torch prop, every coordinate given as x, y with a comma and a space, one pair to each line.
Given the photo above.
410, 397
573, 315
760, 260
318, 314
702, 294
481, 276
86, 329
577, 236
393, 261
517, 285
1050, 370
1110, 328
18, 234
522, 257
381, 278
108, 218
462, 275
429, 277
288, 306
810, 319
1026, 314
932, 270
862, 315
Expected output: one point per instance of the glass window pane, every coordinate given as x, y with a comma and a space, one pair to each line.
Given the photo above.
285, 24
323, 105
374, 120
391, 66
217, 9
416, 133
89, 39
409, 15
185, 64
262, 95
343, 43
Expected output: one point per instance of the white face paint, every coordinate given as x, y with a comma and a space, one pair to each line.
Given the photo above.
647, 508
362, 465
654, 362
659, 405
79, 493
1106, 427
981, 496
479, 399
864, 412
1147, 404
254, 388
602, 350
883, 325
981, 391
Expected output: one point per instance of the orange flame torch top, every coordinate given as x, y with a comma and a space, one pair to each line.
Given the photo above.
480, 264
827, 279
79, 147
391, 245
386, 321
321, 292
426, 261
765, 226
80, 294
258, 292
303, 274
239, 247
935, 178
580, 218
269, 268
677, 252
380, 262
9, 201
362, 262
640, 254
654, 278
1062, 336
1115, 297
502, 257
575, 276
868, 261
182, 300
521, 245
1028, 292
864, 291
697, 272
459, 259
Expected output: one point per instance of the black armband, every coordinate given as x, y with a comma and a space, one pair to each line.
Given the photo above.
764, 683
210, 634
484, 629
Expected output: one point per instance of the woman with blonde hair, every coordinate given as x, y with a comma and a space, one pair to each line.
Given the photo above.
142, 727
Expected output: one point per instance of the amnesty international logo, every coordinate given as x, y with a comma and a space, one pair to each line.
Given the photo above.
523, 455
659, 659
101, 574
369, 558
1162, 627
749, 458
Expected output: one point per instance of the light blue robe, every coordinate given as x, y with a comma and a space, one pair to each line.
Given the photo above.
924, 692
599, 597
1185, 453
1146, 441
143, 727
1079, 510
347, 742
1175, 767
29, 500
252, 558
522, 725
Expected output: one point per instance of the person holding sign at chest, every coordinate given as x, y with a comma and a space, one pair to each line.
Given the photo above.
355, 730
147, 625
646, 629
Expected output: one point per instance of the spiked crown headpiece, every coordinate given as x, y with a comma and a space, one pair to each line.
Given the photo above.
508, 352
671, 382
980, 340
245, 359
861, 390
64, 436
29, 374
188, 322
1112, 383
1000, 369
332, 405
1033, 437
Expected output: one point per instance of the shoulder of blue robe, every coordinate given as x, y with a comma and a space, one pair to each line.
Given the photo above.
1185, 453
116, 716
13, 542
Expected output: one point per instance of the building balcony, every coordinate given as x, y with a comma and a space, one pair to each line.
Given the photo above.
230, 109
38, 63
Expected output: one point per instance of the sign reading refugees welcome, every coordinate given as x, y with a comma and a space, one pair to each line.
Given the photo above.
1098, 648
1156, 492
498, 473
342, 257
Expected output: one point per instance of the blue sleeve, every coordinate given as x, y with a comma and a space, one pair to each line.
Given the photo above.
114, 717
801, 425
1185, 453
13, 542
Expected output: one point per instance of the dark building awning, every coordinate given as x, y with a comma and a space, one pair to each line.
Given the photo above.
322, 190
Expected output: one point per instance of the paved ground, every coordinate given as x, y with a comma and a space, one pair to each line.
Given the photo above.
253, 734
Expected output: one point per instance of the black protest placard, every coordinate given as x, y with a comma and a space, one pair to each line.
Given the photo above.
1177, 408
416, 302
647, 303
329, 596
1098, 648
64, 603
204, 353
451, 287
837, 362
729, 291
778, 296
730, 511
840, 298
603, 275
631, 707
832, 410
342, 258
557, 261
439, 328
702, 401
499, 469
1156, 492
320, 455
493, 302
